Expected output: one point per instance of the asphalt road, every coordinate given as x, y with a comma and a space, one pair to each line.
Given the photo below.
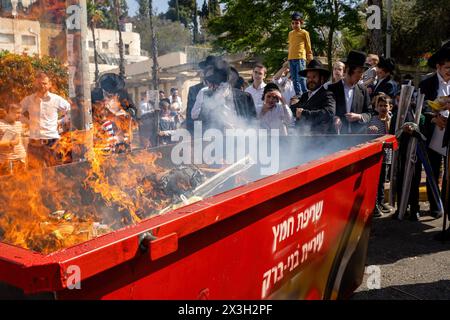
413, 266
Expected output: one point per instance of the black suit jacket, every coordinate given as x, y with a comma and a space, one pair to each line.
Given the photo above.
360, 105
192, 95
318, 112
429, 87
387, 86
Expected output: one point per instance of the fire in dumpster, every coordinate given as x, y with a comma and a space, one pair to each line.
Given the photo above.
62, 206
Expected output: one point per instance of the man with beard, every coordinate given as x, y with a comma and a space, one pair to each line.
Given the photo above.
315, 110
353, 110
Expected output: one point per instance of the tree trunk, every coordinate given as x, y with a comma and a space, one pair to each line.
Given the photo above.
195, 33
96, 73
330, 49
177, 8
121, 56
155, 67
375, 36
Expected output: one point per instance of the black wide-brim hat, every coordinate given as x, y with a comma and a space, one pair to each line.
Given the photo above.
357, 59
386, 63
209, 61
315, 65
444, 51
111, 82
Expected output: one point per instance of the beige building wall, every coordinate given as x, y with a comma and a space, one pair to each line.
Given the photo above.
18, 36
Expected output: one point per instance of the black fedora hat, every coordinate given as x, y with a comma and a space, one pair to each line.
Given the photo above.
209, 61
357, 59
111, 82
443, 52
387, 64
218, 72
315, 65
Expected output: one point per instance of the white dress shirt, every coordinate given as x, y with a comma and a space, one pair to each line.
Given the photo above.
43, 113
349, 93
257, 94
280, 117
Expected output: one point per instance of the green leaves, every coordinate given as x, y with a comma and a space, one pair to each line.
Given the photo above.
17, 73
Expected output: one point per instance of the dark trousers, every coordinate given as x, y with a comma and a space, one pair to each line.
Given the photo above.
380, 193
148, 131
436, 163
413, 200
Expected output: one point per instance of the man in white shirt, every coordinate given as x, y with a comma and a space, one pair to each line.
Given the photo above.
174, 97
256, 89
44, 112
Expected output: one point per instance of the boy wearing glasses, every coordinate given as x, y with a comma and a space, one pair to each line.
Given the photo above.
300, 52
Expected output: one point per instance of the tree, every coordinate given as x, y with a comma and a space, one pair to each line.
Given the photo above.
119, 30
252, 33
155, 66
214, 8
95, 16
375, 36
182, 11
204, 13
195, 22
18, 71
335, 15
170, 36
419, 26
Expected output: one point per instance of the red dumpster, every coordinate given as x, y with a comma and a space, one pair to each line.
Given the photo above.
299, 234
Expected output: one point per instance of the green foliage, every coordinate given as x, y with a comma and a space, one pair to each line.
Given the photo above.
171, 36
419, 26
18, 71
261, 27
108, 9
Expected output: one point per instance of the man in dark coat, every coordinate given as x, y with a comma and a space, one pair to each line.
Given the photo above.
353, 109
220, 106
385, 82
438, 85
315, 111
195, 89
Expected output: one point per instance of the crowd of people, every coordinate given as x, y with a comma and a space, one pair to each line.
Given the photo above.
359, 96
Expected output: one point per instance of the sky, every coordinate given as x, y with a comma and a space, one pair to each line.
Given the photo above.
160, 6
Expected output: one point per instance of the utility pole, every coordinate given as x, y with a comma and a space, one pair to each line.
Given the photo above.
388, 28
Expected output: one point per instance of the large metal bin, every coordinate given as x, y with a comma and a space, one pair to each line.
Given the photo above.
299, 234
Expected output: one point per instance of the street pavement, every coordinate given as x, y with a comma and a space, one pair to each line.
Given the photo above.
413, 266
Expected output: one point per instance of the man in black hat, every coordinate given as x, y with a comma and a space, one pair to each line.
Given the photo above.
435, 86
219, 105
385, 82
353, 110
194, 90
113, 85
315, 111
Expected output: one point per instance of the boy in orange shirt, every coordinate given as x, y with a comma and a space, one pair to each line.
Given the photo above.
300, 52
